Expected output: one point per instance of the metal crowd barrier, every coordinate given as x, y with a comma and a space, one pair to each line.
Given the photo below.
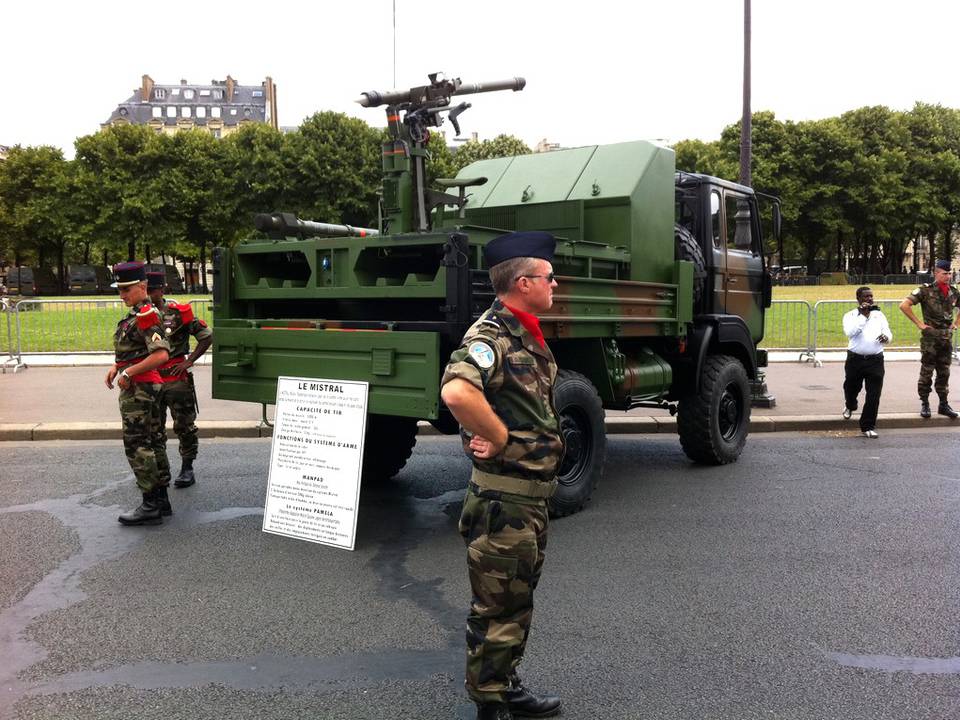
87, 326
14, 359
787, 326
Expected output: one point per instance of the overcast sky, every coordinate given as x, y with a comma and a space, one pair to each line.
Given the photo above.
597, 72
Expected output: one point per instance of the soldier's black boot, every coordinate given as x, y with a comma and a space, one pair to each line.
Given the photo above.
524, 703
147, 514
163, 500
924, 408
185, 478
493, 711
945, 409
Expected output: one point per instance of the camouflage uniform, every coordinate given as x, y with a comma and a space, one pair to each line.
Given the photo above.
504, 518
139, 410
935, 348
177, 393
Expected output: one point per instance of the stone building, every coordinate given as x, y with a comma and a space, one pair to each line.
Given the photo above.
220, 107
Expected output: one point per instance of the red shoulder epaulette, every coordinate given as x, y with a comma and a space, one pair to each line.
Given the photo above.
186, 313
147, 318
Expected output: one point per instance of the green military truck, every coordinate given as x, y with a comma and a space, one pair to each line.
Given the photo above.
661, 297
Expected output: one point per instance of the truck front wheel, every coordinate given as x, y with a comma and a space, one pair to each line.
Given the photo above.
713, 423
582, 426
387, 446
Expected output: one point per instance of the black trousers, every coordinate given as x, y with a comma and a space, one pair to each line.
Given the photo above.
860, 370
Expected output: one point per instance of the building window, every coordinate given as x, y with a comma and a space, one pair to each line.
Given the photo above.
188, 94
171, 111
201, 111
123, 111
247, 112
205, 93
185, 112
218, 94
157, 111
215, 112
233, 111
159, 93
257, 93
175, 91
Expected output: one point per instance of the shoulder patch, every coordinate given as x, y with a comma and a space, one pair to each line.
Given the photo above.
482, 354
156, 337
916, 292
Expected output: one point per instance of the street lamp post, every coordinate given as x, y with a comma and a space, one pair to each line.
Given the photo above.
746, 123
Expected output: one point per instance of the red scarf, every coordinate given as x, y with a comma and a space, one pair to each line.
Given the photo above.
530, 322
944, 288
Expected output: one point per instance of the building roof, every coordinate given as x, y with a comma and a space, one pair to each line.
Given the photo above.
247, 102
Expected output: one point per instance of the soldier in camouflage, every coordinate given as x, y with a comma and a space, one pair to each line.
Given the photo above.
499, 386
140, 349
177, 390
938, 300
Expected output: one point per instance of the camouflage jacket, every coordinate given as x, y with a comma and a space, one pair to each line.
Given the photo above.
138, 334
179, 324
937, 309
502, 359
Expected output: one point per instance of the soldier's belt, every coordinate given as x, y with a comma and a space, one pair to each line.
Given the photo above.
512, 485
168, 369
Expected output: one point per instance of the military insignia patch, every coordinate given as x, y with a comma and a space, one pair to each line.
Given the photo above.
482, 354
156, 337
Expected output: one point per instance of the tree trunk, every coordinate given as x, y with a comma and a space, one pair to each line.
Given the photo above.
947, 243
86, 253
146, 254
61, 268
840, 263
131, 249
203, 266
106, 259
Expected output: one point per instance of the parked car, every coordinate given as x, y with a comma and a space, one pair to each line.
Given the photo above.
174, 282
32, 281
88, 280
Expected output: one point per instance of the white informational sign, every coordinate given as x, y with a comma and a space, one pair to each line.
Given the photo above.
313, 490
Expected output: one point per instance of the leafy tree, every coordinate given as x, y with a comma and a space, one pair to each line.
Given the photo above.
34, 200
333, 170
500, 146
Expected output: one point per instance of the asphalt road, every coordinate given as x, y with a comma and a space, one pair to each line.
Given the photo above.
816, 578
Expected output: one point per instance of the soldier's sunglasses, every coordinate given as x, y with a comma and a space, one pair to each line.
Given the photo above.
550, 277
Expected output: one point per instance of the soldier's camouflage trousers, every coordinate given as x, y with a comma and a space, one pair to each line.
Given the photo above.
935, 354
140, 414
179, 397
506, 536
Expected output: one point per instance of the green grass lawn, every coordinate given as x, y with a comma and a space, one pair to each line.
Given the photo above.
787, 322
87, 325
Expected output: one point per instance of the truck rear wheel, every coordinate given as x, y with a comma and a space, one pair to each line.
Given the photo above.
582, 426
713, 423
387, 446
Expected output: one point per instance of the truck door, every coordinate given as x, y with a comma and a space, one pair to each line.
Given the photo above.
718, 249
744, 286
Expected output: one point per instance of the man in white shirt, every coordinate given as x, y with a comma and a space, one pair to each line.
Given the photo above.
868, 331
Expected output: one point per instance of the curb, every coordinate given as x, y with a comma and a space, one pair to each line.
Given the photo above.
631, 425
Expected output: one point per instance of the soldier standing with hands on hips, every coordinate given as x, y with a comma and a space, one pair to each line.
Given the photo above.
938, 301
177, 389
499, 386
140, 349
869, 331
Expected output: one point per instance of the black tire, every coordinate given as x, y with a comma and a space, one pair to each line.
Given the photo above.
582, 425
687, 248
713, 424
387, 446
